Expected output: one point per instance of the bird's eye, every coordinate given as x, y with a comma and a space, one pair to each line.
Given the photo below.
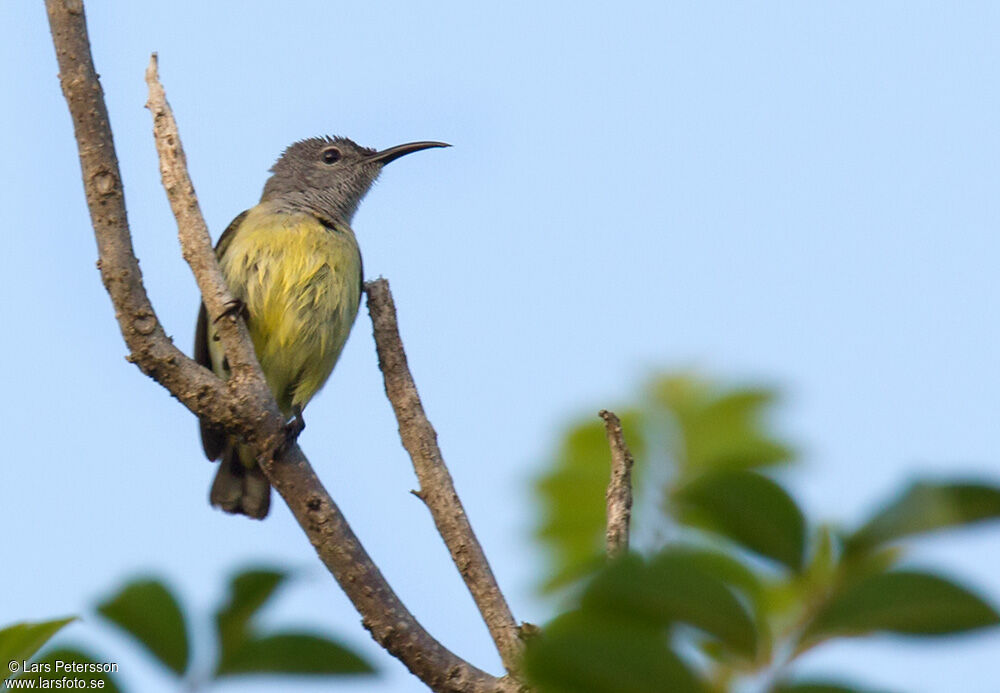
331, 155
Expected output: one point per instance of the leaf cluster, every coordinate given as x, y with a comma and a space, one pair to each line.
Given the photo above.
149, 613
729, 581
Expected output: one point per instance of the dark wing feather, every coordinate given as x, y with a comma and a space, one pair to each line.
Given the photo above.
227, 235
213, 440
361, 292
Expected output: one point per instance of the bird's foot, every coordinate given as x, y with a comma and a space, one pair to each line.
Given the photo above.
233, 308
294, 427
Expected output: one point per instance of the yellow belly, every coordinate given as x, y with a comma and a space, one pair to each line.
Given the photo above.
301, 284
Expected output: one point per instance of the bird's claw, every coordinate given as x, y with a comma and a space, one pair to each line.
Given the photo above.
294, 427
233, 308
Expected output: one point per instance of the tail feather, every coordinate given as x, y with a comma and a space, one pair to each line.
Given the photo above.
239, 489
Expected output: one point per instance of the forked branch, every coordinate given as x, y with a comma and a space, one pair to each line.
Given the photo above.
242, 405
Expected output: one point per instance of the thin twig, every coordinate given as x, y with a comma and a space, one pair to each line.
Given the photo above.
246, 382
619, 495
196, 243
437, 489
234, 406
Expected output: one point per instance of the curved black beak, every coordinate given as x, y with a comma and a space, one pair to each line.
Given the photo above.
392, 153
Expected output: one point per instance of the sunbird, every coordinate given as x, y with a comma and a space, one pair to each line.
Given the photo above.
293, 265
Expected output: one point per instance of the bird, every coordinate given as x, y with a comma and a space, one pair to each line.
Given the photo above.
293, 265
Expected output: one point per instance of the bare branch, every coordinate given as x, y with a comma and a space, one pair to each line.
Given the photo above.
251, 398
383, 614
436, 487
619, 495
196, 243
235, 405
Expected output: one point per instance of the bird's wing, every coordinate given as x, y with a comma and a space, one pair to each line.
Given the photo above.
361, 273
213, 440
227, 235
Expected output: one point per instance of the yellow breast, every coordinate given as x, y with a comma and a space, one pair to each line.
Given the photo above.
301, 282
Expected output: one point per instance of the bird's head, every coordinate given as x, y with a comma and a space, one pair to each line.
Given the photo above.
329, 176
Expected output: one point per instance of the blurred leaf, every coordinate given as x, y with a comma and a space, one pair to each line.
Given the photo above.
750, 509
148, 611
901, 602
720, 565
819, 575
292, 653
243, 651
857, 567
823, 562
738, 577
571, 496
817, 687
720, 430
19, 642
56, 660
787, 600
249, 590
925, 507
583, 652
672, 588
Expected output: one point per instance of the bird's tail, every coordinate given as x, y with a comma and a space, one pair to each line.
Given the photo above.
240, 489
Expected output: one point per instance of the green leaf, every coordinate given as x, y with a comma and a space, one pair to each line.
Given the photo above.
150, 613
19, 642
720, 429
584, 652
925, 507
730, 570
901, 602
822, 564
817, 687
249, 590
741, 579
672, 588
293, 653
243, 651
571, 497
860, 566
750, 509
58, 663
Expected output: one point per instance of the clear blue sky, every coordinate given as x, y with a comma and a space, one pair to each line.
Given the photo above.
799, 193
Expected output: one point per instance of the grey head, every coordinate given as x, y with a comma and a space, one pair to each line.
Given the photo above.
329, 176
